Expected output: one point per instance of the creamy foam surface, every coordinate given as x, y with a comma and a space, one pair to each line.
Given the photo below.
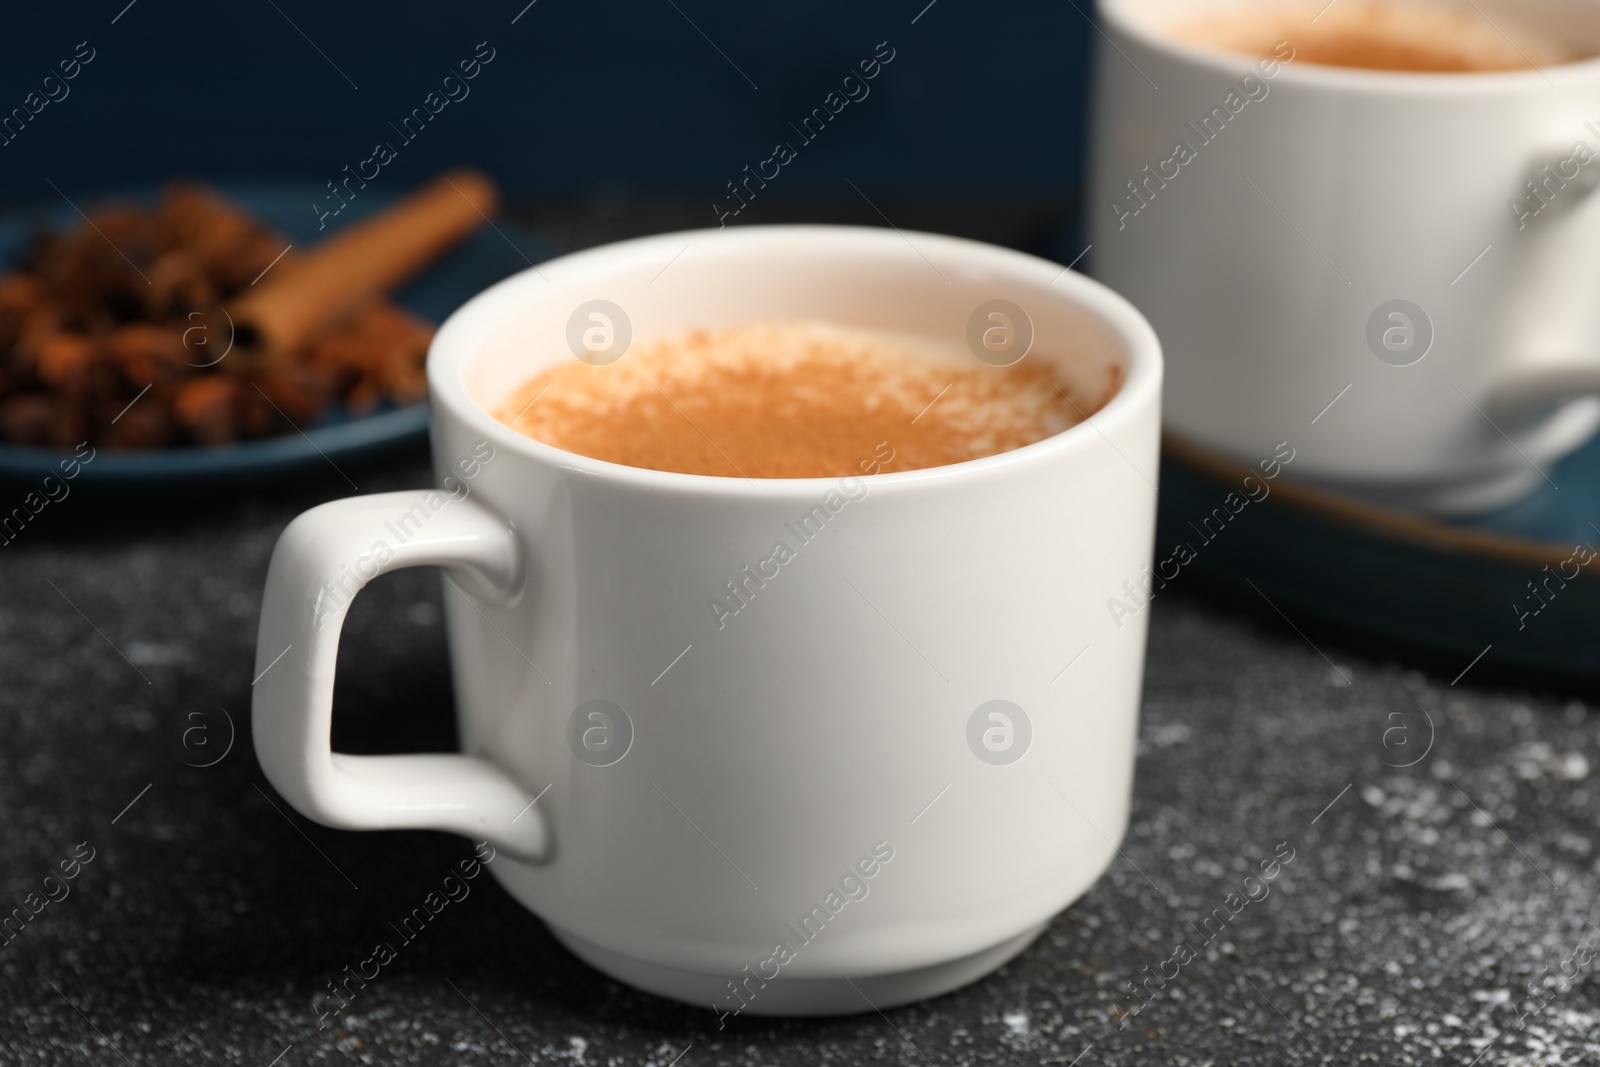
799, 399
1376, 35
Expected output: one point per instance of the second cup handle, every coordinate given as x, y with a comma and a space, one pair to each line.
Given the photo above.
1520, 397
322, 559
1548, 377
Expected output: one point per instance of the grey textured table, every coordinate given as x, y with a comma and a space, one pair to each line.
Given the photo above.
1436, 913
1420, 907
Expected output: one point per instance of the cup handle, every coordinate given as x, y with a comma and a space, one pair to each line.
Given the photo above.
1523, 396
1555, 373
322, 559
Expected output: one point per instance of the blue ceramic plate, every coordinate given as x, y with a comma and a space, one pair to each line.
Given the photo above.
1514, 592
474, 265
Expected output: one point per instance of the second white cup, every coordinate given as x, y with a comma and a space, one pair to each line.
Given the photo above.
1395, 272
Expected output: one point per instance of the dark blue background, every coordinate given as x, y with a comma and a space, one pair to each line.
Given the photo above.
626, 98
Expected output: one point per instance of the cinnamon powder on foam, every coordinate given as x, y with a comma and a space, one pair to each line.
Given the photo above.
1375, 35
796, 400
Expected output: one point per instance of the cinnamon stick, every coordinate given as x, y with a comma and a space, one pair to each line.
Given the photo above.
360, 262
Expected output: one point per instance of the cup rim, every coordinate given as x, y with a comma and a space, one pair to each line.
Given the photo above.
452, 347
1358, 80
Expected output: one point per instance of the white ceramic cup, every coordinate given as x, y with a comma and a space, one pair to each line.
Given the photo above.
1285, 259
676, 790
